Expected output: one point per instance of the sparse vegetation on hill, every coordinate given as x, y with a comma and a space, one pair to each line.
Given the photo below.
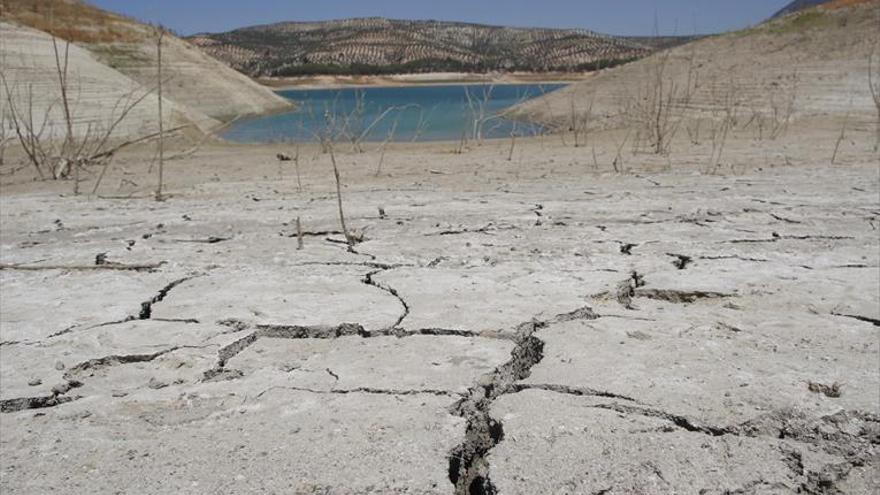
70, 20
383, 46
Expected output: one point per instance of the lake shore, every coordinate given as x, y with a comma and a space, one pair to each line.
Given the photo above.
428, 79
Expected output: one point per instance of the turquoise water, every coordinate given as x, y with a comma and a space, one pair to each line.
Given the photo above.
413, 113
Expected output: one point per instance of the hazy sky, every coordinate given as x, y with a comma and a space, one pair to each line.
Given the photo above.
629, 17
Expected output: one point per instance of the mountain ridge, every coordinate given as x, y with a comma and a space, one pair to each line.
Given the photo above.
797, 6
378, 45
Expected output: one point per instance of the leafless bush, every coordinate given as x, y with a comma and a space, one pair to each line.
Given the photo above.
660, 104
332, 129
422, 124
478, 105
550, 121
783, 97
353, 125
388, 139
74, 153
579, 123
724, 121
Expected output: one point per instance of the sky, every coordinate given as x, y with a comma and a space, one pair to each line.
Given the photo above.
622, 17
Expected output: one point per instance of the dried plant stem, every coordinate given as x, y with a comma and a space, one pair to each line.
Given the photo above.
161, 122
299, 183
348, 238
840, 138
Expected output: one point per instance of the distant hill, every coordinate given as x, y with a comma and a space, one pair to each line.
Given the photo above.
382, 46
798, 5
197, 81
816, 62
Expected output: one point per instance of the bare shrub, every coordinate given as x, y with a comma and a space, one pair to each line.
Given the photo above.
659, 106
783, 96
478, 106
579, 123
724, 121
422, 124
74, 153
332, 129
388, 139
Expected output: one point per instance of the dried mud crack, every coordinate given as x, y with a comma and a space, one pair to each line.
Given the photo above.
564, 389
369, 279
73, 379
295, 332
679, 296
147, 306
468, 463
145, 312
866, 319
25, 403
367, 391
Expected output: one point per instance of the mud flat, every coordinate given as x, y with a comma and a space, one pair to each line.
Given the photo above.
538, 325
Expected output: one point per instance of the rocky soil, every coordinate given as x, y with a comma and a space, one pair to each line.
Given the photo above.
538, 325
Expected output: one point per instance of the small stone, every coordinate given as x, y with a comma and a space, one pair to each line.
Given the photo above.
35, 382
59, 365
156, 384
61, 388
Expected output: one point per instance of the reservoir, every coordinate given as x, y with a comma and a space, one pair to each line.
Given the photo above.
410, 113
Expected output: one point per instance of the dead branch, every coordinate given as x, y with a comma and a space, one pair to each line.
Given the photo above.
840, 136
348, 237
160, 35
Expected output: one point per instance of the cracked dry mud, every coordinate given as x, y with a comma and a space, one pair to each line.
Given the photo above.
709, 335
